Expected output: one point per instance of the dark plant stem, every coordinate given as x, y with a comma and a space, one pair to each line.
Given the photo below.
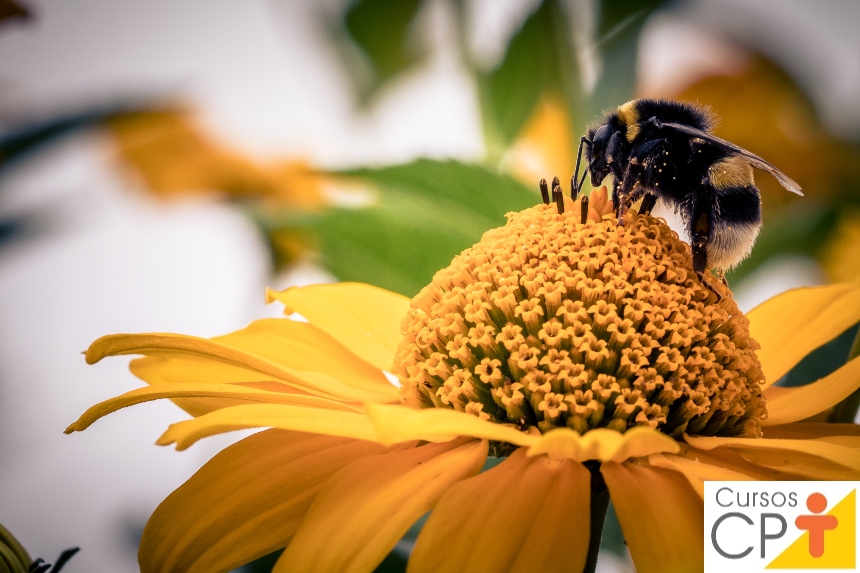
599, 504
846, 410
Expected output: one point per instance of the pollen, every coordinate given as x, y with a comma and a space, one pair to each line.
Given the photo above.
553, 322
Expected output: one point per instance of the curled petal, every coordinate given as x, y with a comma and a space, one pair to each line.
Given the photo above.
236, 392
786, 405
847, 457
795, 323
285, 417
295, 353
812, 430
364, 318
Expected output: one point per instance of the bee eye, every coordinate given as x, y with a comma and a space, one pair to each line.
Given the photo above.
601, 135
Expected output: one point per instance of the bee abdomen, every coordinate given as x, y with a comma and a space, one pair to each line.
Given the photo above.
737, 220
732, 172
730, 243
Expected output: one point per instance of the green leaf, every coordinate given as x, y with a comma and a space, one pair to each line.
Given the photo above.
538, 60
426, 213
380, 28
621, 23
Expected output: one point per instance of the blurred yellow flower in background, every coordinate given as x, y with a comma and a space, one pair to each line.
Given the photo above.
841, 258
586, 353
545, 144
174, 157
764, 110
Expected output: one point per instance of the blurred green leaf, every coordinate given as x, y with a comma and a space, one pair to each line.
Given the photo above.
538, 60
427, 212
380, 28
621, 23
541, 59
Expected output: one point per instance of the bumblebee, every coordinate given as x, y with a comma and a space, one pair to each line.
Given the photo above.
663, 150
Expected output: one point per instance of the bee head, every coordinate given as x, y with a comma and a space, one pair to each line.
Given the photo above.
598, 163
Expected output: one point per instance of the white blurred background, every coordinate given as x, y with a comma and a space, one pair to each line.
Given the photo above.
109, 257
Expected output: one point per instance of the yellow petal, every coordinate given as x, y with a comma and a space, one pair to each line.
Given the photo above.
603, 444
661, 516
786, 405
182, 369
364, 318
812, 430
293, 352
296, 418
400, 423
241, 394
699, 466
795, 323
245, 502
772, 464
361, 513
525, 515
697, 472
782, 465
838, 454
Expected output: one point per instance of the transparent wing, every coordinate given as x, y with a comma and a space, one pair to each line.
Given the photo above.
756, 161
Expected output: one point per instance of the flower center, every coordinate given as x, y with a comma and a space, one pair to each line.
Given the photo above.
550, 322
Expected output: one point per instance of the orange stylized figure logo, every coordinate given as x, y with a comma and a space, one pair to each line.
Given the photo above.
816, 525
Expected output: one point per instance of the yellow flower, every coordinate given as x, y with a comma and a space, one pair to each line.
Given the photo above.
842, 252
588, 354
173, 157
545, 145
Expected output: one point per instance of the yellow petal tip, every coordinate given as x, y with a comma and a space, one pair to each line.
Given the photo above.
271, 295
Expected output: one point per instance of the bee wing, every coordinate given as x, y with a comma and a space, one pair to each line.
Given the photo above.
756, 161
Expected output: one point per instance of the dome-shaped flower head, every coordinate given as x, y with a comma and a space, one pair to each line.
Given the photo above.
586, 354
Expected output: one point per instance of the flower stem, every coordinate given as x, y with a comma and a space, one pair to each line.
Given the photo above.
599, 504
846, 410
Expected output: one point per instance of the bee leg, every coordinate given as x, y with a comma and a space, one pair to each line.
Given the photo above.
622, 193
635, 195
614, 197
647, 204
574, 188
699, 245
627, 201
723, 280
709, 285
